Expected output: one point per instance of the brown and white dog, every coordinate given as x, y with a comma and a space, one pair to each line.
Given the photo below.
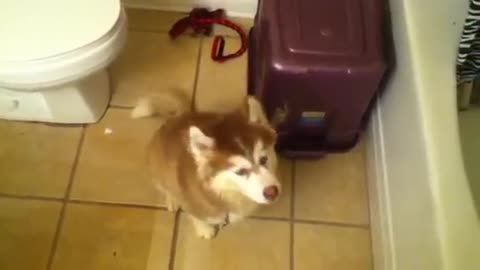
217, 167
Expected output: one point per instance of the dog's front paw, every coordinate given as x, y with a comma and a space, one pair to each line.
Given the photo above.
204, 229
172, 206
206, 232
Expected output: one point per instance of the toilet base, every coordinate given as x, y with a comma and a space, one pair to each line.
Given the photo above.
80, 102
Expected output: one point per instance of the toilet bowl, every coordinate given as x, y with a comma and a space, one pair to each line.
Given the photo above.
54, 56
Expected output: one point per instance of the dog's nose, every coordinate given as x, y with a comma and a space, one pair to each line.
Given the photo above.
270, 193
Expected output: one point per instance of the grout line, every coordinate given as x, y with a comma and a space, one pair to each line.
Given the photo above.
79, 201
30, 197
158, 31
331, 223
163, 208
188, 33
369, 208
75, 163
114, 204
292, 246
292, 214
292, 189
150, 31
311, 222
61, 217
173, 245
121, 107
197, 75
56, 237
269, 218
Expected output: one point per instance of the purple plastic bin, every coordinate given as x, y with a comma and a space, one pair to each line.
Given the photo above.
316, 66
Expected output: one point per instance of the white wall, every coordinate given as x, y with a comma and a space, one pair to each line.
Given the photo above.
422, 209
238, 8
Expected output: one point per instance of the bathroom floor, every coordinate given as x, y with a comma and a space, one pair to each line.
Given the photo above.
79, 197
469, 134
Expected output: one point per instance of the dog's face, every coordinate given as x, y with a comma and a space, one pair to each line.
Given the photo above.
236, 155
252, 175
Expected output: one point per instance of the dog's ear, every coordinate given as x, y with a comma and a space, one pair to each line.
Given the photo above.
256, 113
200, 144
251, 109
243, 110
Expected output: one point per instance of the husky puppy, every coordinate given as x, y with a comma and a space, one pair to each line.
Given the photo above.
217, 167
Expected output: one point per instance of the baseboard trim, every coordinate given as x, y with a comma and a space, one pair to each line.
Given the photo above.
240, 9
380, 210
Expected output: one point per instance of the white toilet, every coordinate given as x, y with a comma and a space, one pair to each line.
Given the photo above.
53, 58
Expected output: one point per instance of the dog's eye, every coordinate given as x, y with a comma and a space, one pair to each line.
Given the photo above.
263, 160
242, 172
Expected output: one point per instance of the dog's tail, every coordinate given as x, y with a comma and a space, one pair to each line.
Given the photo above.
165, 104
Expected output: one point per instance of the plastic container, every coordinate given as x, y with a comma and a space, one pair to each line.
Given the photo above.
316, 66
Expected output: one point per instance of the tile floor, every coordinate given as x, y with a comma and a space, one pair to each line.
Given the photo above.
79, 198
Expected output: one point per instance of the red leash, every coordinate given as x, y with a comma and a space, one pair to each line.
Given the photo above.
201, 21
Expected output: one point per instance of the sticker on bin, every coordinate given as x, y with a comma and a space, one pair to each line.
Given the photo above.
312, 119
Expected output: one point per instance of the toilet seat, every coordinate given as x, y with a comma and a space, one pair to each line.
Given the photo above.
94, 39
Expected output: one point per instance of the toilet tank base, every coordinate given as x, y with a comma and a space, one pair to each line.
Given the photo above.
80, 102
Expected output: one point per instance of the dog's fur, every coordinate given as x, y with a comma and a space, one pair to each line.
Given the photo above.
217, 167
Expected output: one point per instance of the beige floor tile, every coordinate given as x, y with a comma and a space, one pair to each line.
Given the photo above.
330, 247
36, 159
250, 244
332, 189
152, 63
111, 237
361, 145
27, 230
281, 208
244, 23
221, 86
152, 20
112, 162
